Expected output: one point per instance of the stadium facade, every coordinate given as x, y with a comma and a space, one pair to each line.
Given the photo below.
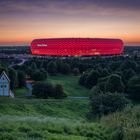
77, 46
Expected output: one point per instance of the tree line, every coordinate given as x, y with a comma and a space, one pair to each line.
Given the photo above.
111, 80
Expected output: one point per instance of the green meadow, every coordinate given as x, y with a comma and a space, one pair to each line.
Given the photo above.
27, 118
70, 84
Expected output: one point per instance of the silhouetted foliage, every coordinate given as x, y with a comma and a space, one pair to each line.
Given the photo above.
59, 92
92, 79
107, 103
83, 78
39, 75
43, 90
21, 79
129, 64
114, 84
13, 77
52, 68
76, 71
33, 66
64, 68
46, 90
134, 87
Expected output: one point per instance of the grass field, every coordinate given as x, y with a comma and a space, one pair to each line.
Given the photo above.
20, 92
25, 118
48, 107
48, 128
70, 84
127, 122
37, 119
49, 119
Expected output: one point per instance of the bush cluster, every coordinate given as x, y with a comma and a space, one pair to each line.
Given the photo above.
46, 90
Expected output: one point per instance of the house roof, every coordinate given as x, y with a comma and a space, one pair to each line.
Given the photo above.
4, 73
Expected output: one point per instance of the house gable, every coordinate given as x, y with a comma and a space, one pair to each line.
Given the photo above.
4, 85
4, 78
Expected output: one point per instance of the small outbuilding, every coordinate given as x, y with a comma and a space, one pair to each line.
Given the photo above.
5, 86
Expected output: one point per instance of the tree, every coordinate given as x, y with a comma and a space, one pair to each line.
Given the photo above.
134, 87
92, 79
39, 75
102, 86
31, 69
59, 92
95, 91
129, 64
42, 70
75, 71
52, 68
138, 69
33, 66
21, 78
3, 69
114, 66
13, 77
128, 73
43, 90
107, 103
83, 78
104, 73
63, 68
114, 84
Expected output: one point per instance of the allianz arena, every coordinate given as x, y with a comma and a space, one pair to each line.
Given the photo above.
77, 46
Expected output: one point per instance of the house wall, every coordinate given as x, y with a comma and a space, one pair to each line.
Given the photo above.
4, 86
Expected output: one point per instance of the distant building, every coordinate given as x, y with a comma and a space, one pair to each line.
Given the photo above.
77, 47
5, 86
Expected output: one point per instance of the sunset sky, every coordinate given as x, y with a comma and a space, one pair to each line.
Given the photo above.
21, 21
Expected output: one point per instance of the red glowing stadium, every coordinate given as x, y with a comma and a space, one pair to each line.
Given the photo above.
77, 46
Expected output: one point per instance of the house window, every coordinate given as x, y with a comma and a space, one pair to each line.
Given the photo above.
3, 86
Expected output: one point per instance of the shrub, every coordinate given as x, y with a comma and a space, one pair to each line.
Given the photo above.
95, 91
43, 89
107, 103
59, 92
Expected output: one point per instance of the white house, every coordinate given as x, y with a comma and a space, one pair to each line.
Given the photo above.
5, 85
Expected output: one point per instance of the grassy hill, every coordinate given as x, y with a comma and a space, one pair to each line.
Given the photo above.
37, 119
38, 128
70, 84
126, 123
50, 107
25, 118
